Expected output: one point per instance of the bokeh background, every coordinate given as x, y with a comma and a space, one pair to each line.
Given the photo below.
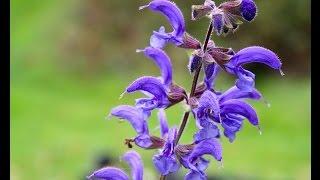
70, 61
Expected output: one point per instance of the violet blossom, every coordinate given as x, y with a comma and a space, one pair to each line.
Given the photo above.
132, 158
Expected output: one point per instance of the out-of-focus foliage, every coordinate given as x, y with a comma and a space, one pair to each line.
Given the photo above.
107, 31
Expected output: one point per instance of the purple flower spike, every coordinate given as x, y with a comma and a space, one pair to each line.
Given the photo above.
162, 60
236, 93
149, 84
255, 54
109, 173
248, 9
133, 115
235, 106
134, 161
174, 16
163, 122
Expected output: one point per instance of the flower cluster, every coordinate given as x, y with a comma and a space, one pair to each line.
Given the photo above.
213, 111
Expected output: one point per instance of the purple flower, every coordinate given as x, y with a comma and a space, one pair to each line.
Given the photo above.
110, 173
162, 60
161, 92
166, 162
226, 16
174, 16
152, 87
227, 109
138, 120
191, 157
249, 55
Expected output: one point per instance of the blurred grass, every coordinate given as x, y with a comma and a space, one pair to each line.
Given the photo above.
58, 121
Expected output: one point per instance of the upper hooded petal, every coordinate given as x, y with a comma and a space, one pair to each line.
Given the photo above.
133, 115
235, 106
109, 173
254, 54
171, 11
162, 60
149, 84
134, 161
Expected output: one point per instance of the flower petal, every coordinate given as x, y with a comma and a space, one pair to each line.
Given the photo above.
134, 161
143, 141
209, 100
207, 132
194, 175
109, 173
133, 115
163, 122
171, 12
165, 164
248, 9
236, 93
254, 54
218, 23
146, 104
239, 107
231, 125
208, 146
194, 62
162, 60
211, 72
156, 41
149, 84
245, 80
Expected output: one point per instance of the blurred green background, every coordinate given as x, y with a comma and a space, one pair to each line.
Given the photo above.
70, 61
